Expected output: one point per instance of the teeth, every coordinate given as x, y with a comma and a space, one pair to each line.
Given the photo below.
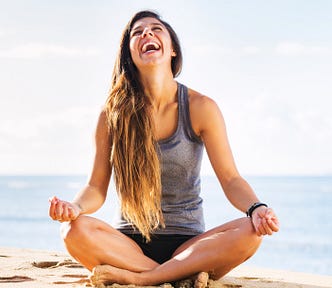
148, 45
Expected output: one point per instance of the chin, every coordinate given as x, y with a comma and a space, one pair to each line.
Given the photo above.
154, 62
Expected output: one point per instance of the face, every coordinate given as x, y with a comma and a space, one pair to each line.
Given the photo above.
150, 44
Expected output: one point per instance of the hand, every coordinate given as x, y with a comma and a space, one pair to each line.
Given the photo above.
265, 221
62, 210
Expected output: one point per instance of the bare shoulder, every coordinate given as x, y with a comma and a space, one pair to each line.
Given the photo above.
204, 111
103, 116
102, 130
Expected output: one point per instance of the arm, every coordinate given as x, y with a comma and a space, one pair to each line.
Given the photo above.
91, 197
211, 128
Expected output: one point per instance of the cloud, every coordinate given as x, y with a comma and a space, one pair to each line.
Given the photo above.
206, 49
41, 50
298, 49
273, 134
71, 120
251, 50
281, 48
6, 31
49, 142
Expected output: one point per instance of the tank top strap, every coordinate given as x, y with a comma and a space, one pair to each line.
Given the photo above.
184, 114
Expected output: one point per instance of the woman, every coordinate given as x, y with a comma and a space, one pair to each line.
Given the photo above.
151, 134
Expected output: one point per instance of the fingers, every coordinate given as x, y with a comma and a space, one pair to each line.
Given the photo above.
61, 210
72, 215
266, 222
259, 229
266, 227
263, 228
274, 224
53, 202
65, 212
272, 220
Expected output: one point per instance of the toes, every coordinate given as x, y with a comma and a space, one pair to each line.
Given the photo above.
201, 280
100, 275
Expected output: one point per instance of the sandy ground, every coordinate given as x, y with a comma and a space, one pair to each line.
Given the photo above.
34, 268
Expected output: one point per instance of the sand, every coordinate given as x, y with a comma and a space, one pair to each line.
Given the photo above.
35, 268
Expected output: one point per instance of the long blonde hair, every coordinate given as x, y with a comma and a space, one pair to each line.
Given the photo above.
134, 154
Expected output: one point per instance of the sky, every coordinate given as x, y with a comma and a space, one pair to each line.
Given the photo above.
268, 65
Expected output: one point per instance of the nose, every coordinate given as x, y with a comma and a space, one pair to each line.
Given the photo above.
147, 31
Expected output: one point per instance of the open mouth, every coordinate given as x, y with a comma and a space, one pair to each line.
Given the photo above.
150, 47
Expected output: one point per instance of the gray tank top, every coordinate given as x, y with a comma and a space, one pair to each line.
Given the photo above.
180, 157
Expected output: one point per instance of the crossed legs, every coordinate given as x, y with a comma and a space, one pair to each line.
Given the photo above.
113, 257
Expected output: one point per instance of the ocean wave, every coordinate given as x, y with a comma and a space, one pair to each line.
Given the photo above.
23, 218
17, 184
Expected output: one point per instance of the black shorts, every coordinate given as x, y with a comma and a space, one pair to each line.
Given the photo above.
161, 247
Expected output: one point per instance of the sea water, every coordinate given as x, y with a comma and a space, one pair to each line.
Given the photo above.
303, 205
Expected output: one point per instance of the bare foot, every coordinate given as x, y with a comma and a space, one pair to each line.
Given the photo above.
107, 274
102, 274
201, 280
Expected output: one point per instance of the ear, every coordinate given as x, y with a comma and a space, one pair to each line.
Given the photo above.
173, 53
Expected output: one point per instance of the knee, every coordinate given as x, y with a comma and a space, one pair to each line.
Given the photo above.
250, 238
74, 229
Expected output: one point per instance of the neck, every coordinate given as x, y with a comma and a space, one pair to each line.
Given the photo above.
160, 87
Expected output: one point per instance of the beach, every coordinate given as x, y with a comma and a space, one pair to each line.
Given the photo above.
41, 268
303, 204
304, 243
294, 257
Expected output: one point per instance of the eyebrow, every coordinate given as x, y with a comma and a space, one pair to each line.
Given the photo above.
140, 26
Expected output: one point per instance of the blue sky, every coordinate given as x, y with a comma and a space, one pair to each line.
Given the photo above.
268, 64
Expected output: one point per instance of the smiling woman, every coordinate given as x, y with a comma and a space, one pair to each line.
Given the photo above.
154, 38
151, 135
151, 39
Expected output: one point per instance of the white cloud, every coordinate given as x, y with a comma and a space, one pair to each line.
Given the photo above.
272, 134
53, 142
298, 49
251, 50
71, 120
281, 48
208, 49
215, 49
6, 31
39, 50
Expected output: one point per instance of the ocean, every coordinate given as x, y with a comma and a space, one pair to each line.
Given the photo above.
303, 205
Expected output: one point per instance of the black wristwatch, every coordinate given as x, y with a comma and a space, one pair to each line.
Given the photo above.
253, 207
